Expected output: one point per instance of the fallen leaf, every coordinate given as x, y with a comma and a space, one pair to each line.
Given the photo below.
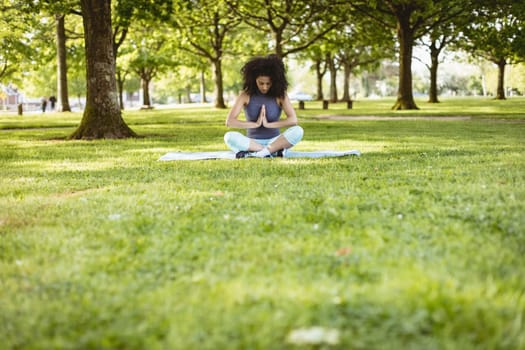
343, 251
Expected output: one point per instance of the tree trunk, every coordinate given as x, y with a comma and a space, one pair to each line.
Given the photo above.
405, 36
346, 85
500, 92
62, 92
320, 74
279, 44
121, 78
102, 116
120, 85
483, 84
365, 83
219, 89
146, 100
434, 63
188, 93
203, 87
433, 91
333, 79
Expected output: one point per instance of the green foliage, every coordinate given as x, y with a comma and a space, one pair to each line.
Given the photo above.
208, 31
125, 12
420, 16
152, 51
290, 26
417, 244
497, 32
15, 43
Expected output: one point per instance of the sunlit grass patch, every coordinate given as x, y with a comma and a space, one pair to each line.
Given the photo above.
418, 243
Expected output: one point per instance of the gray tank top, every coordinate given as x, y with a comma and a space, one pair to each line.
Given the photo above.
273, 113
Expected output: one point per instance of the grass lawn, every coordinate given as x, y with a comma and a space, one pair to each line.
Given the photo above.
417, 244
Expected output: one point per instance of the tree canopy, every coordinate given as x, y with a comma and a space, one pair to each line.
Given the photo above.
410, 20
497, 34
204, 36
17, 28
291, 25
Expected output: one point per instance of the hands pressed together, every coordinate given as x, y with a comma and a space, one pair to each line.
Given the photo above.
262, 118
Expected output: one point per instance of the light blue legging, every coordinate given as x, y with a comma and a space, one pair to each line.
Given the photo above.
239, 142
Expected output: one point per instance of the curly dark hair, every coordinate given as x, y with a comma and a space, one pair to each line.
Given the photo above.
271, 66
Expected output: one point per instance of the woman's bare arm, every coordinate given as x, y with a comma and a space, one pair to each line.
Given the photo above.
232, 120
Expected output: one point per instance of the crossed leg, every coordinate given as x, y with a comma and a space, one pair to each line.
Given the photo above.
238, 142
278, 144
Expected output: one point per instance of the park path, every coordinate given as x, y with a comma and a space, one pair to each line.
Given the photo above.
374, 117
400, 118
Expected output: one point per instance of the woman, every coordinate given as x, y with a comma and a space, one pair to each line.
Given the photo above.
263, 99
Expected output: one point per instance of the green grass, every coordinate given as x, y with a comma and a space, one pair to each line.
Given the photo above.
417, 244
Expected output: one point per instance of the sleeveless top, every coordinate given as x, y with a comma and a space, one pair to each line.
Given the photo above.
273, 113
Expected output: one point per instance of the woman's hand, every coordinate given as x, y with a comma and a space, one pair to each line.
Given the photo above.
265, 121
262, 117
291, 117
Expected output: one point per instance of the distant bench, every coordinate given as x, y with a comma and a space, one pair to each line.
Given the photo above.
349, 104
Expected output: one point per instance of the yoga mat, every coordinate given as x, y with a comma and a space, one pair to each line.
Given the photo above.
230, 155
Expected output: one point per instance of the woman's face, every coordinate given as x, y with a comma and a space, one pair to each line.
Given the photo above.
264, 83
